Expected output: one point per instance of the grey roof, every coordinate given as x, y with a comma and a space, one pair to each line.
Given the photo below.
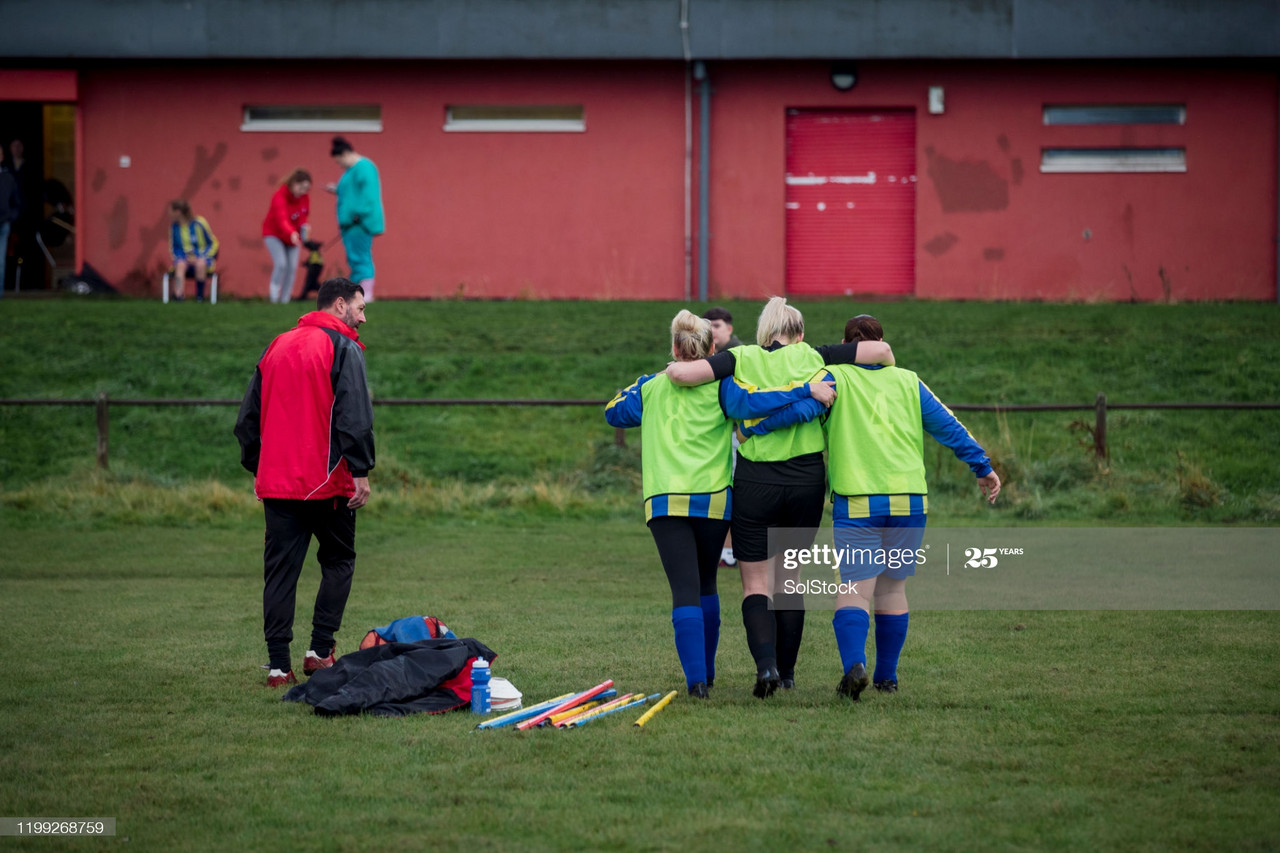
638, 29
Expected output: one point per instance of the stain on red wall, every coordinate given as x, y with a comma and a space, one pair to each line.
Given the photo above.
966, 185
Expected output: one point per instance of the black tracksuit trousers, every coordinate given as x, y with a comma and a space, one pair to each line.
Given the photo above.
290, 526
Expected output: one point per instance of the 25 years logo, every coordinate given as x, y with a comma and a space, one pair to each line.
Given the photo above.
988, 558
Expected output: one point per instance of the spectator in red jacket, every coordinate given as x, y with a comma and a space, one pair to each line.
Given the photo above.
284, 231
306, 432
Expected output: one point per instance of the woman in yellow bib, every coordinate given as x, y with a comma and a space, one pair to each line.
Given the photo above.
686, 438
780, 482
875, 455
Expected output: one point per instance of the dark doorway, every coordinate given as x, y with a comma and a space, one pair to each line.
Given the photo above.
41, 246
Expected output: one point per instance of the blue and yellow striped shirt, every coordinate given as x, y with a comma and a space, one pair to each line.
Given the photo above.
194, 238
936, 419
706, 505
737, 401
866, 506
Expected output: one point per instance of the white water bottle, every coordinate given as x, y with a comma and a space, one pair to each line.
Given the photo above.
480, 687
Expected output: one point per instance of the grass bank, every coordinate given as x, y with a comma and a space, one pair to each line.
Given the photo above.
1165, 467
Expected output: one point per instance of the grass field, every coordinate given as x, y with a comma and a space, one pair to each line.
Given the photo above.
131, 599
1165, 467
131, 691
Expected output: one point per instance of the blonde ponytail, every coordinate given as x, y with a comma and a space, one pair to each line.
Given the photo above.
690, 336
778, 321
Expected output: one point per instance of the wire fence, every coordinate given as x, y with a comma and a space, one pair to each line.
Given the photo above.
102, 407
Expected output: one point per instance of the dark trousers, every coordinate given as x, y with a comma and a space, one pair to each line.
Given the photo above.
290, 526
690, 552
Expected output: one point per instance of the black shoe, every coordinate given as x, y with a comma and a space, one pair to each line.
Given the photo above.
699, 690
767, 681
711, 682
787, 683
854, 682
888, 685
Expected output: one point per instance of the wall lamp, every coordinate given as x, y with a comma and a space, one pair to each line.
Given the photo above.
844, 76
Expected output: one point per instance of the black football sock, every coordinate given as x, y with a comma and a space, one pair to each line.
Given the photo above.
758, 619
789, 615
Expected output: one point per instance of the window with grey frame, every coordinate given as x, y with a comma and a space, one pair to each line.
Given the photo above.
313, 118
1059, 160
515, 118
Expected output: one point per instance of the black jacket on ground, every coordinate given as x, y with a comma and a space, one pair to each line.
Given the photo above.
395, 680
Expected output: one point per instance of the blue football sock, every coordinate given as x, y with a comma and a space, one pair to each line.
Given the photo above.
710, 632
891, 633
690, 643
851, 625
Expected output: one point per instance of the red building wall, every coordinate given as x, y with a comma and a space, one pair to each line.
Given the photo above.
538, 215
989, 225
600, 214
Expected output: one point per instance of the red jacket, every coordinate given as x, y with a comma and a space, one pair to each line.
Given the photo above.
306, 423
286, 216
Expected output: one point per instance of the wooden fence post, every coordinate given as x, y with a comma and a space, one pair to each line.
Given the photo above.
1100, 427
104, 423
619, 437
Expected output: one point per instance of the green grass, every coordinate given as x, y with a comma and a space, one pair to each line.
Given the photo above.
131, 598
132, 691
1165, 466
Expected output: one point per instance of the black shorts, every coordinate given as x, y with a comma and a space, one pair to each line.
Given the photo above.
760, 506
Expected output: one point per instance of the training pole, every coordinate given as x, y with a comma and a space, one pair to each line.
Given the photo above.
556, 719
585, 696
582, 721
666, 700
523, 713
607, 706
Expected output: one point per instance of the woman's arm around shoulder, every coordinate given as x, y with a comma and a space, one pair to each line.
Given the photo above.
627, 406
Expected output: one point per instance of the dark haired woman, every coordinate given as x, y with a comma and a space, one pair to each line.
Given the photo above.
360, 217
284, 231
193, 247
686, 471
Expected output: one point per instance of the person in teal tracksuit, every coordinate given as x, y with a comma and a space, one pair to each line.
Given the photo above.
875, 462
687, 462
360, 215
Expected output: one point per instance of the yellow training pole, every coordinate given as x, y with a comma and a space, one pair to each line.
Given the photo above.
605, 708
572, 712
644, 718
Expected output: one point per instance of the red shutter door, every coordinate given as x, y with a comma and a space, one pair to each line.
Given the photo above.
851, 201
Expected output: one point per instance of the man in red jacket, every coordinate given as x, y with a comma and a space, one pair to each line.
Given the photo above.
306, 433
